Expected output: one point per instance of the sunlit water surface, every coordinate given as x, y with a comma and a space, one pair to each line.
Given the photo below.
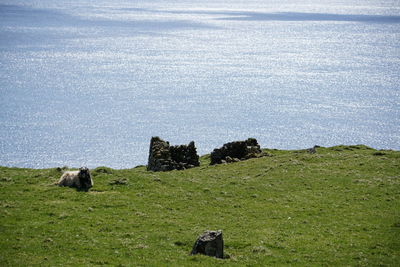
89, 82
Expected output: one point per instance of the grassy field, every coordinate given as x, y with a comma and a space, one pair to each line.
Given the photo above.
337, 207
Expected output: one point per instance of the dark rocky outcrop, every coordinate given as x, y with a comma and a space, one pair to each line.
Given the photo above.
236, 151
163, 157
313, 149
210, 243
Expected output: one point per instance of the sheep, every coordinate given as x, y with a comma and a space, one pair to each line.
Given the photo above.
81, 180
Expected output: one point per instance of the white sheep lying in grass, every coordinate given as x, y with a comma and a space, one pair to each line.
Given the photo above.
81, 180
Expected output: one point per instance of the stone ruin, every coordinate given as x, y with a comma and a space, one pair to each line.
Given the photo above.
163, 157
236, 151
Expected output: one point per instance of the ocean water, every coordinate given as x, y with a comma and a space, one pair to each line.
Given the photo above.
90, 82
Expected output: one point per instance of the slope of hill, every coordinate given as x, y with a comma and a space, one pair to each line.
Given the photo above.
339, 206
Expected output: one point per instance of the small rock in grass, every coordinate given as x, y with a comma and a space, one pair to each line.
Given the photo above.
210, 243
312, 150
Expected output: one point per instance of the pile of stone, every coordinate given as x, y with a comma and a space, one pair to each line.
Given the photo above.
236, 151
163, 157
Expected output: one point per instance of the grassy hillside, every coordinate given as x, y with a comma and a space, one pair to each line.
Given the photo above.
340, 206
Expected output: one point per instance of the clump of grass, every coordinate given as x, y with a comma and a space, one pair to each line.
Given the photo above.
102, 169
121, 181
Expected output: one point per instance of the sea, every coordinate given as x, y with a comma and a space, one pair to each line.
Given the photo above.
88, 83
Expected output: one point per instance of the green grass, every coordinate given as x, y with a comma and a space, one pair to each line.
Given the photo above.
340, 206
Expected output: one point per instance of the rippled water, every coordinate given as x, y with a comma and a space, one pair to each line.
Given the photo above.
89, 82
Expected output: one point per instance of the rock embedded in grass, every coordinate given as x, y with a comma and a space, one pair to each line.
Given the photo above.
312, 150
209, 243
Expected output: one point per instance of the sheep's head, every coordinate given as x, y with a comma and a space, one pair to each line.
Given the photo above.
85, 178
